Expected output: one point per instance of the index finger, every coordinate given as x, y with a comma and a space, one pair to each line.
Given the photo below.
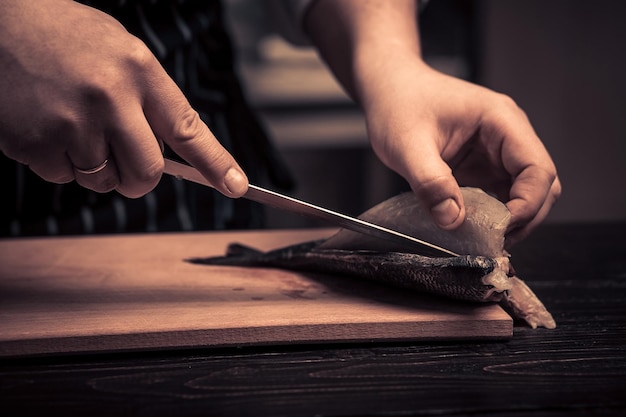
174, 121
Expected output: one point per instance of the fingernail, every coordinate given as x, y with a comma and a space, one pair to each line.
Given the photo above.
236, 182
446, 212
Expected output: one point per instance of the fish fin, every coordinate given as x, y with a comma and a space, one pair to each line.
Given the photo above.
237, 249
242, 255
236, 254
523, 304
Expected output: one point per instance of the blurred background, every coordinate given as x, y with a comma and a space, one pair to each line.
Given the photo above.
562, 61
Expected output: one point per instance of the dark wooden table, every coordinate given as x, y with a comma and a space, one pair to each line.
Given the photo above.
578, 369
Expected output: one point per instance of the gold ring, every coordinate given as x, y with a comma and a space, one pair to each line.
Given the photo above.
94, 169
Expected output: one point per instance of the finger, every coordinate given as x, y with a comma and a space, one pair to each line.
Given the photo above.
136, 152
529, 191
533, 174
48, 162
93, 166
101, 178
517, 234
175, 122
432, 181
54, 168
535, 185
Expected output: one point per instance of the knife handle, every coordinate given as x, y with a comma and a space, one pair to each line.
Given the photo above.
185, 172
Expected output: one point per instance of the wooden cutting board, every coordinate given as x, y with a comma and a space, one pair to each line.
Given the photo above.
133, 292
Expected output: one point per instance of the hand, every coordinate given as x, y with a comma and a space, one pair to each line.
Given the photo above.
78, 89
440, 132
436, 131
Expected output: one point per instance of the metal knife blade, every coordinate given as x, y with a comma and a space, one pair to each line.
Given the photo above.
280, 201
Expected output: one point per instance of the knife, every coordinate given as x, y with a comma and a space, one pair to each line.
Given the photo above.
280, 201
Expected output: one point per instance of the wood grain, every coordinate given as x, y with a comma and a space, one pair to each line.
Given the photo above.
575, 370
111, 293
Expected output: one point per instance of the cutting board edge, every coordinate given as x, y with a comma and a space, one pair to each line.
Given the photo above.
312, 334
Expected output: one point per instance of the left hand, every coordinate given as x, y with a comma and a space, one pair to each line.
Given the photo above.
440, 132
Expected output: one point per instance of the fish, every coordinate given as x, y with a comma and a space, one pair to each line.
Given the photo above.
482, 273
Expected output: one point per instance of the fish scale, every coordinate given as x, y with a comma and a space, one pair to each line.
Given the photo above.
469, 278
483, 274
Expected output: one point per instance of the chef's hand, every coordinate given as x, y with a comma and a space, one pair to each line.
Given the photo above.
78, 89
438, 132
435, 130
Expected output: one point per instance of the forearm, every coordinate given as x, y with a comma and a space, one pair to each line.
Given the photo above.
358, 39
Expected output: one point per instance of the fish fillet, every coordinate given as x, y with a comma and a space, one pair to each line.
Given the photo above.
483, 272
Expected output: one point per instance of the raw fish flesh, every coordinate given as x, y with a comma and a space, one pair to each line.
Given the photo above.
481, 274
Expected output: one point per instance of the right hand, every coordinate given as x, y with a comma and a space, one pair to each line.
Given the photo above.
77, 89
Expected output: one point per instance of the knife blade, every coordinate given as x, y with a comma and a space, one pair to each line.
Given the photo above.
284, 202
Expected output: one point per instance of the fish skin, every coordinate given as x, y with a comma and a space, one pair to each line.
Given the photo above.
469, 278
482, 273
482, 233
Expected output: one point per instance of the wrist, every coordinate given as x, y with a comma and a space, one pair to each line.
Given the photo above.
385, 73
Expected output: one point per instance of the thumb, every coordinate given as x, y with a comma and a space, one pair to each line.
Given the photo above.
174, 121
434, 185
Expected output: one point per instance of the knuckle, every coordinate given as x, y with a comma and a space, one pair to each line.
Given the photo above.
149, 177
505, 102
552, 172
504, 108
141, 181
384, 151
102, 89
188, 125
54, 174
16, 150
67, 126
138, 55
97, 93
548, 175
433, 187
437, 190
526, 214
105, 185
60, 178
152, 174
133, 191
130, 192
557, 189
107, 80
